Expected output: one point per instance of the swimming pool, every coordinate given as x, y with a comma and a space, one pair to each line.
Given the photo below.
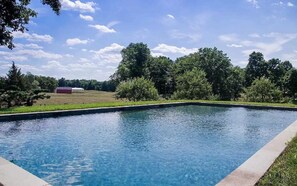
184, 145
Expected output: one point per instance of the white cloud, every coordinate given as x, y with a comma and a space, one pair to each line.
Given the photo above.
292, 57
255, 3
38, 54
86, 17
78, 6
228, 38
164, 48
33, 37
271, 47
84, 60
31, 45
75, 41
254, 35
15, 58
290, 4
179, 35
109, 54
103, 28
170, 16
234, 45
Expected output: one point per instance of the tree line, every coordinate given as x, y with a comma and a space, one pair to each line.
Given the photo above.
205, 74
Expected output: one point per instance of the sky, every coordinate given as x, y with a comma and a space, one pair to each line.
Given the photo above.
85, 40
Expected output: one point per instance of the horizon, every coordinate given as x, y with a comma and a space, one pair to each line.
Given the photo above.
85, 40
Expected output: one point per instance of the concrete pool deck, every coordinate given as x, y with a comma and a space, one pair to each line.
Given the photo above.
252, 170
246, 174
13, 175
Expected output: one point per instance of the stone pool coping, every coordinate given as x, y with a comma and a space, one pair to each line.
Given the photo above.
58, 113
13, 175
248, 173
253, 169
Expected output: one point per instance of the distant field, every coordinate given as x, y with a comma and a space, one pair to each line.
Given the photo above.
78, 98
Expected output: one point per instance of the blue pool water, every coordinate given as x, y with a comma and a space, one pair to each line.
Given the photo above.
185, 145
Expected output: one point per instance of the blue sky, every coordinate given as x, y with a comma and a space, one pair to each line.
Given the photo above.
85, 40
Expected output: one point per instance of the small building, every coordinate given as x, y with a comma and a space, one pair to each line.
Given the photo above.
77, 90
63, 90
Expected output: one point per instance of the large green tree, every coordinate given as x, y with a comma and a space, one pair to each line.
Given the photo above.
160, 71
256, 68
216, 65
134, 62
15, 15
192, 85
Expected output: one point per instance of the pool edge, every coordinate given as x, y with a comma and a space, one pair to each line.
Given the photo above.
58, 113
13, 175
253, 169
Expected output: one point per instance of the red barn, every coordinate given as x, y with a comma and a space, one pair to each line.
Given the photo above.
64, 90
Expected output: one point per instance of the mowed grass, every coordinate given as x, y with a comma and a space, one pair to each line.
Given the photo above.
78, 98
283, 172
97, 99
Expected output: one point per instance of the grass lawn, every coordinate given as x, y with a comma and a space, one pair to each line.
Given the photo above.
96, 99
284, 170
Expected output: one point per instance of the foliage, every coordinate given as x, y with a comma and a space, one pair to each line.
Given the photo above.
15, 14
15, 92
214, 63
138, 89
256, 68
192, 85
263, 90
160, 72
235, 82
290, 83
283, 170
134, 62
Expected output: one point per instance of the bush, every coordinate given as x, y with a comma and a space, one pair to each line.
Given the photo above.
263, 90
138, 89
192, 85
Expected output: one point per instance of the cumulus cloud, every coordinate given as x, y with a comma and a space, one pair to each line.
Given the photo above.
38, 54
78, 6
164, 48
33, 37
109, 54
255, 3
103, 28
86, 17
75, 41
15, 58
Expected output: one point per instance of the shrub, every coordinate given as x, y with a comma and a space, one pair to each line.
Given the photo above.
138, 89
192, 85
263, 90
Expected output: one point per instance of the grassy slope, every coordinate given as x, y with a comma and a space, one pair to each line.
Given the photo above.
284, 170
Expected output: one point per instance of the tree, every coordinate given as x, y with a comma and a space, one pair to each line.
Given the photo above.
134, 62
15, 93
15, 14
235, 82
290, 84
138, 89
214, 63
263, 90
15, 79
160, 71
192, 85
256, 68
